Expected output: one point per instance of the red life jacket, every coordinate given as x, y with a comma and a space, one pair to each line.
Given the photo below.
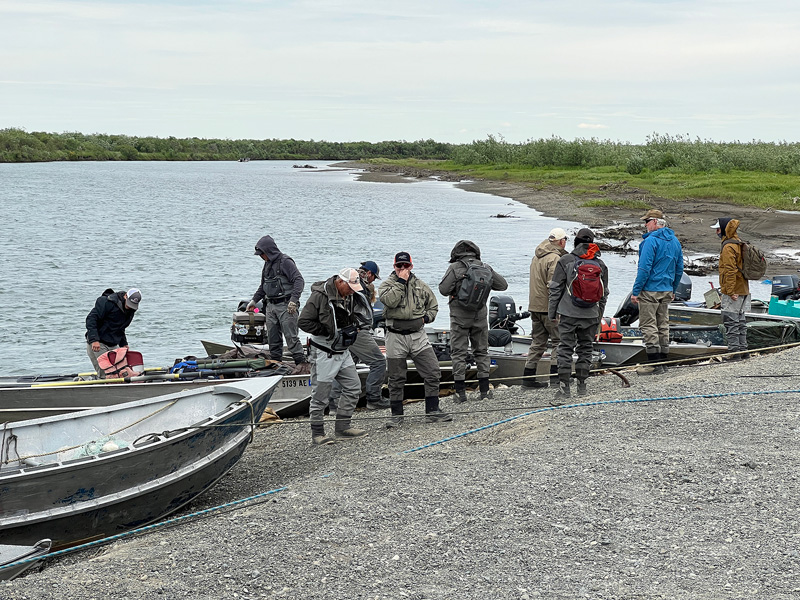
121, 363
609, 330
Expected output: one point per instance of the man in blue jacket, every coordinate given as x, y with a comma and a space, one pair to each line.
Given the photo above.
657, 279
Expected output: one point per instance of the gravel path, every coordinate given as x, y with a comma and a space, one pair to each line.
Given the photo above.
681, 498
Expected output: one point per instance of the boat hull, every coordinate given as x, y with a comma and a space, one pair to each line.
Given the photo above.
77, 500
18, 403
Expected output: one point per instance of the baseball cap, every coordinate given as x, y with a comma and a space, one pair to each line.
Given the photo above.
557, 234
372, 267
653, 213
584, 236
402, 257
350, 276
134, 297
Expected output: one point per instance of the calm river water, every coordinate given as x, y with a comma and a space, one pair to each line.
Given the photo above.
184, 233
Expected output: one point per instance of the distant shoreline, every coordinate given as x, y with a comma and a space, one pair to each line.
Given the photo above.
777, 233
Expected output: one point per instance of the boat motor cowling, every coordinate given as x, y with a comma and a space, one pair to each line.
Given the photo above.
503, 313
684, 291
786, 287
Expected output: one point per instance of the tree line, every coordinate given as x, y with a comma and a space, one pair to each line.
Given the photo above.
659, 152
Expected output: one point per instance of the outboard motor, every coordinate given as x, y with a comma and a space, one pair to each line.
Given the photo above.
503, 313
249, 327
628, 312
684, 291
786, 287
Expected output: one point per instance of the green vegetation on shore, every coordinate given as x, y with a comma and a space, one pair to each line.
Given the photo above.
600, 172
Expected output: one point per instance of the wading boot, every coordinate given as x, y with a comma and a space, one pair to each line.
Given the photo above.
485, 388
529, 381
582, 375
553, 375
318, 437
562, 393
653, 356
433, 414
664, 356
461, 391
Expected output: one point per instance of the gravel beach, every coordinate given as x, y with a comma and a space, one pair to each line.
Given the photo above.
686, 497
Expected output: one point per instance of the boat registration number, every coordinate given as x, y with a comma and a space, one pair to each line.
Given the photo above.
295, 383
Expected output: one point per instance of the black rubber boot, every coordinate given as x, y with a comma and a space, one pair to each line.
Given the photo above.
654, 356
529, 380
485, 388
553, 375
582, 375
433, 413
663, 356
461, 392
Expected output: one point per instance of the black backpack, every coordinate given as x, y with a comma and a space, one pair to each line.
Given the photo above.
476, 285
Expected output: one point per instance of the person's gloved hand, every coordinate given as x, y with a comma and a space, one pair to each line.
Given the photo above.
426, 319
292, 308
251, 306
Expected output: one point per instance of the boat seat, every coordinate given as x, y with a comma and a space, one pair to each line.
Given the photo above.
499, 338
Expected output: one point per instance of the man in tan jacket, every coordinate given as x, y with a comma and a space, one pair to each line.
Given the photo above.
734, 288
543, 329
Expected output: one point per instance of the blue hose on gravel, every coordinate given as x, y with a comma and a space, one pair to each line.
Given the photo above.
582, 404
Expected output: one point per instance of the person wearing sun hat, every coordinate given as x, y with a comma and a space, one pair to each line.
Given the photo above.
107, 321
333, 315
408, 305
657, 277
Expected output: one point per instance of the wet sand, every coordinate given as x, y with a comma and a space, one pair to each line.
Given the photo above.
776, 233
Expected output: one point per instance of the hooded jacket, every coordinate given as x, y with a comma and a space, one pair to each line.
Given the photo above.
465, 253
327, 312
282, 267
543, 265
560, 301
107, 321
660, 262
731, 280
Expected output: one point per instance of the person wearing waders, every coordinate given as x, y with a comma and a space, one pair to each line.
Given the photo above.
733, 287
280, 288
543, 264
468, 282
578, 295
657, 277
408, 305
333, 315
107, 321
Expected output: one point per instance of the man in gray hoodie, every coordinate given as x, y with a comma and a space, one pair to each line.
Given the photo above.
578, 296
280, 288
469, 325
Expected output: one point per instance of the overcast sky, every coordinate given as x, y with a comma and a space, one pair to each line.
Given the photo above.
453, 71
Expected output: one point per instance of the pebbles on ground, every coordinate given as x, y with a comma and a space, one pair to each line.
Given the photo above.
693, 497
